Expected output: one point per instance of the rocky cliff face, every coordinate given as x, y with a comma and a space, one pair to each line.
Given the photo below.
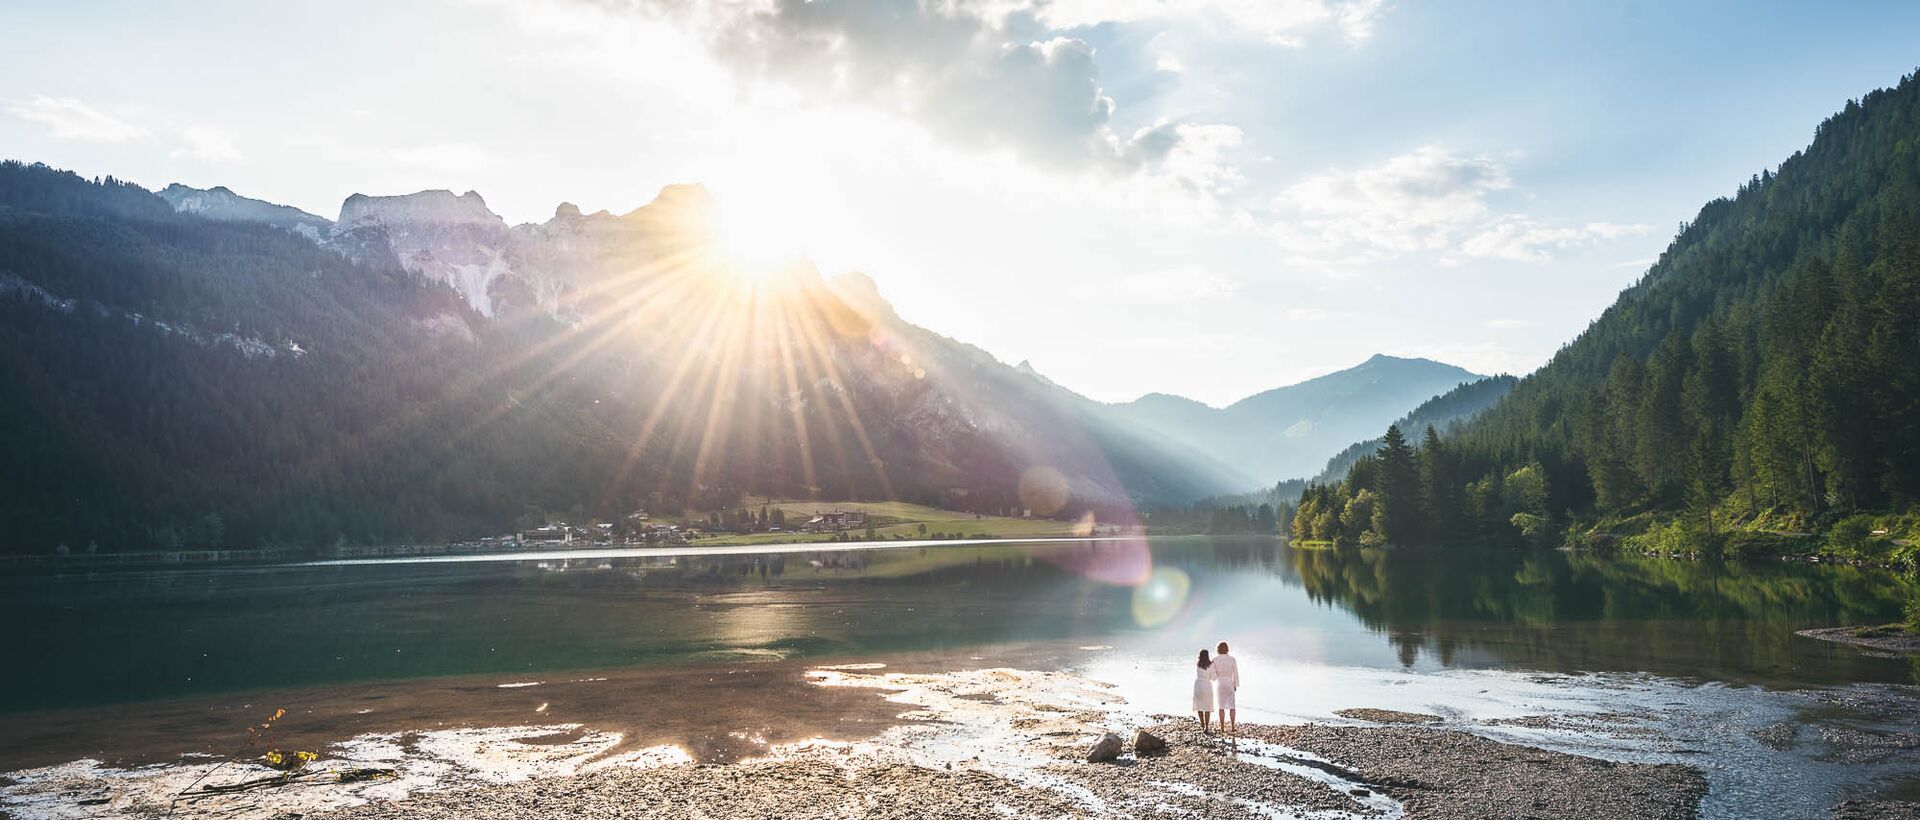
453, 240
535, 268
218, 203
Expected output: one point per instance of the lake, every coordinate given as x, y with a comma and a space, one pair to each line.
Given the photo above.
1703, 653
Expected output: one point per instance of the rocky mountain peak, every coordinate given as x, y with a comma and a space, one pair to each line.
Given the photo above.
437, 207
221, 203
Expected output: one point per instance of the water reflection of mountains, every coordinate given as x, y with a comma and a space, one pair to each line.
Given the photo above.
1580, 611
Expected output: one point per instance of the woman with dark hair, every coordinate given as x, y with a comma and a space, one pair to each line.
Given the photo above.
1203, 689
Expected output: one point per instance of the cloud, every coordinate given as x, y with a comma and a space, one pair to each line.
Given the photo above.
955, 72
1306, 314
1412, 202
1356, 18
71, 119
1196, 157
1185, 284
1282, 22
1519, 239
989, 76
448, 157
1429, 200
207, 145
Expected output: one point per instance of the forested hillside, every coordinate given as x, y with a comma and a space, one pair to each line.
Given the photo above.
1443, 412
1763, 376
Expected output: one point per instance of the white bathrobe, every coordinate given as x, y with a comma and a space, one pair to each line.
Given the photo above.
1226, 675
1202, 689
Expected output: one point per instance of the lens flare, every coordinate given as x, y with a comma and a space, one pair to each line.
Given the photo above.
1043, 490
1161, 596
1123, 562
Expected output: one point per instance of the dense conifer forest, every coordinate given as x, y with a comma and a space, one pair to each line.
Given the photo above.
1761, 382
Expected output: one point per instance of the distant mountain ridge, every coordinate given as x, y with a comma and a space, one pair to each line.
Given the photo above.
219, 203
1445, 413
1290, 432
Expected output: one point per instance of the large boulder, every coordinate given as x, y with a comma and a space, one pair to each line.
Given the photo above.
1145, 744
1105, 750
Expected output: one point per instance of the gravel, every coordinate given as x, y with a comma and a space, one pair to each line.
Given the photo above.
1433, 773
1446, 775
785, 789
1387, 716
1876, 810
1889, 641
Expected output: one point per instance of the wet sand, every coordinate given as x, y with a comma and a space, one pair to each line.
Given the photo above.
716, 713
908, 742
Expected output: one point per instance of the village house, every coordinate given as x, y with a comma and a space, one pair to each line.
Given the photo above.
548, 535
836, 521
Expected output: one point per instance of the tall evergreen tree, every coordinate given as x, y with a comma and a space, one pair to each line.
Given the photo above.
1440, 490
1397, 513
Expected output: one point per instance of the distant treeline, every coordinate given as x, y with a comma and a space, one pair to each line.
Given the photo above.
1229, 519
1443, 412
1404, 495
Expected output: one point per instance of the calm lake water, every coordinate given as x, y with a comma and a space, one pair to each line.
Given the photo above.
1705, 651
133, 635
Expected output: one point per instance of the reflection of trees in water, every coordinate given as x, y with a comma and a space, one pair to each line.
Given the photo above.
1588, 611
905, 567
1266, 554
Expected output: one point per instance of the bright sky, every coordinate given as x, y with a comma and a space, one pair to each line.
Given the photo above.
1202, 197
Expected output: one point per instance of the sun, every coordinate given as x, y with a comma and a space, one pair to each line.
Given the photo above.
759, 231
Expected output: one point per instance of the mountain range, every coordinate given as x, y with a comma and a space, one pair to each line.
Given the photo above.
1289, 432
195, 367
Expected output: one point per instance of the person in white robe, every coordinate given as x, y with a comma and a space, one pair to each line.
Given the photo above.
1226, 677
1203, 690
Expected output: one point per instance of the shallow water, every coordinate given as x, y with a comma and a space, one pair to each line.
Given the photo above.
1692, 659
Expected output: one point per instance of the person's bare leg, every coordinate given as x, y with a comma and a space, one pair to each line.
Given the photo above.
1234, 714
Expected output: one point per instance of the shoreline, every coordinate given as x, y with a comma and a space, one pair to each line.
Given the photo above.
1888, 639
302, 557
941, 732
955, 742
1329, 771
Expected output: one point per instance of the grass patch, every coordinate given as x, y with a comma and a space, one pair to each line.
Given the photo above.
890, 521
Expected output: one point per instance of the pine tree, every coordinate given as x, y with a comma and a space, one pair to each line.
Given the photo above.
1440, 490
1397, 515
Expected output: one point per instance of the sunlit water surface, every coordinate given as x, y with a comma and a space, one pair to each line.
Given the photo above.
1688, 662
